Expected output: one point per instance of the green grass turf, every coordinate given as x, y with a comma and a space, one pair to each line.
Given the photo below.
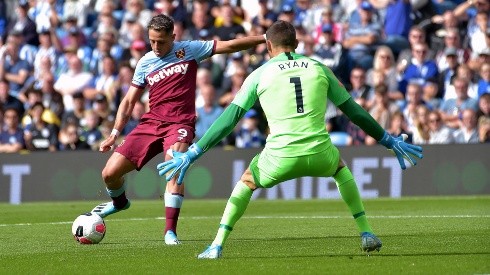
444, 235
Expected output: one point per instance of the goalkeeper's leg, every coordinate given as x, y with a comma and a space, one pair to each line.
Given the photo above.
235, 207
350, 194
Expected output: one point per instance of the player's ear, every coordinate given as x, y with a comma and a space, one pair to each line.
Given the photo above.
269, 45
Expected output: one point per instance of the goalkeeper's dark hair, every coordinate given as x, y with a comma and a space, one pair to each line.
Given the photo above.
161, 23
282, 33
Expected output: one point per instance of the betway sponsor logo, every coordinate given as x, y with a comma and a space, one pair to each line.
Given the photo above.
166, 72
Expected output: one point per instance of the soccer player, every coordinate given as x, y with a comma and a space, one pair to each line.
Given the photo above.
293, 91
169, 73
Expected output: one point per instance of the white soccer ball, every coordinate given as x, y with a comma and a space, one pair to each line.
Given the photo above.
88, 228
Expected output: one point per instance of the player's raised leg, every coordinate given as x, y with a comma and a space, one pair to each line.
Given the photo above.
112, 174
350, 194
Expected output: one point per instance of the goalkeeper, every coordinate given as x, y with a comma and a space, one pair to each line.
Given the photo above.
293, 92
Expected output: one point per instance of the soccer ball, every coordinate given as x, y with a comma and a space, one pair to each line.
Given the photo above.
88, 228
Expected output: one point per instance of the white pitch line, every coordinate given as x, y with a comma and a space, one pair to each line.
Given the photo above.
271, 217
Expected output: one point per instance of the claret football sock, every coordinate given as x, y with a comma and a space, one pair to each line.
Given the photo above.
350, 194
173, 203
118, 196
235, 207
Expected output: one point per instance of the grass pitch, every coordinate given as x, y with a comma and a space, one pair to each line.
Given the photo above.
443, 235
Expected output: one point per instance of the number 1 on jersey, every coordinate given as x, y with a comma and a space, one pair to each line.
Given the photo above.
299, 93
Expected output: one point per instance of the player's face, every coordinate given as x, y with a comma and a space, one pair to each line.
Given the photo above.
161, 42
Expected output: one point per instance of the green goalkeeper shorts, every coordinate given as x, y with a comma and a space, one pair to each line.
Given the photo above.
269, 170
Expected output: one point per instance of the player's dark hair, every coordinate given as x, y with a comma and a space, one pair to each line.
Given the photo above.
282, 33
161, 23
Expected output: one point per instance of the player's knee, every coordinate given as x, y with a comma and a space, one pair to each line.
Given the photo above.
109, 176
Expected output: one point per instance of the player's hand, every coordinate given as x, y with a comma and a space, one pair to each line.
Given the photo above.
107, 144
401, 149
179, 162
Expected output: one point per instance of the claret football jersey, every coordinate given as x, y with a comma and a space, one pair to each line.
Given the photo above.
171, 80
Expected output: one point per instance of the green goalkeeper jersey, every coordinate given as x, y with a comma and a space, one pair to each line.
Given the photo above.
293, 91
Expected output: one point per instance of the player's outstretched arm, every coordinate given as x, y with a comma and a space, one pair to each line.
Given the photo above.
222, 127
368, 124
238, 44
179, 162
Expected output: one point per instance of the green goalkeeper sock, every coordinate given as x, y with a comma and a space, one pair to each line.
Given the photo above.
350, 194
235, 207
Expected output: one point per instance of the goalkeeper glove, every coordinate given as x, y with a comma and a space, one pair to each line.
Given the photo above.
401, 149
180, 162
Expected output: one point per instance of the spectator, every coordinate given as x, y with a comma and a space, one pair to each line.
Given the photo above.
265, 17
75, 46
452, 108
11, 135
209, 111
438, 132
484, 106
360, 91
420, 69
139, 8
15, 70
172, 8
106, 46
484, 129
7, 100
138, 111
397, 24
468, 131
398, 126
447, 75
287, 14
71, 34
40, 135
125, 31
137, 50
361, 39
122, 84
382, 108
75, 80
413, 101
463, 71
327, 50
51, 99
24, 25
420, 128
477, 36
69, 138
91, 133
45, 12
417, 35
49, 47
201, 25
76, 115
102, 109
327, 18
103, 82
430, 94
384, 61
452, 41
248, 134
236, 83
228, 29
484, 82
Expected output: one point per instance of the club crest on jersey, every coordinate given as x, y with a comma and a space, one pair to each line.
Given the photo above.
180, 54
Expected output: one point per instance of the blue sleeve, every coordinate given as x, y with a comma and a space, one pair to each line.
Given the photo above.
202, 49
139, 73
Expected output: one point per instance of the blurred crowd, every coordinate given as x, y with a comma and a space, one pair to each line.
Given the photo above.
420, 67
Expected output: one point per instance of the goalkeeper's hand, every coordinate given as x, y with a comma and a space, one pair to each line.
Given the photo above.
180, 162
401, 149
